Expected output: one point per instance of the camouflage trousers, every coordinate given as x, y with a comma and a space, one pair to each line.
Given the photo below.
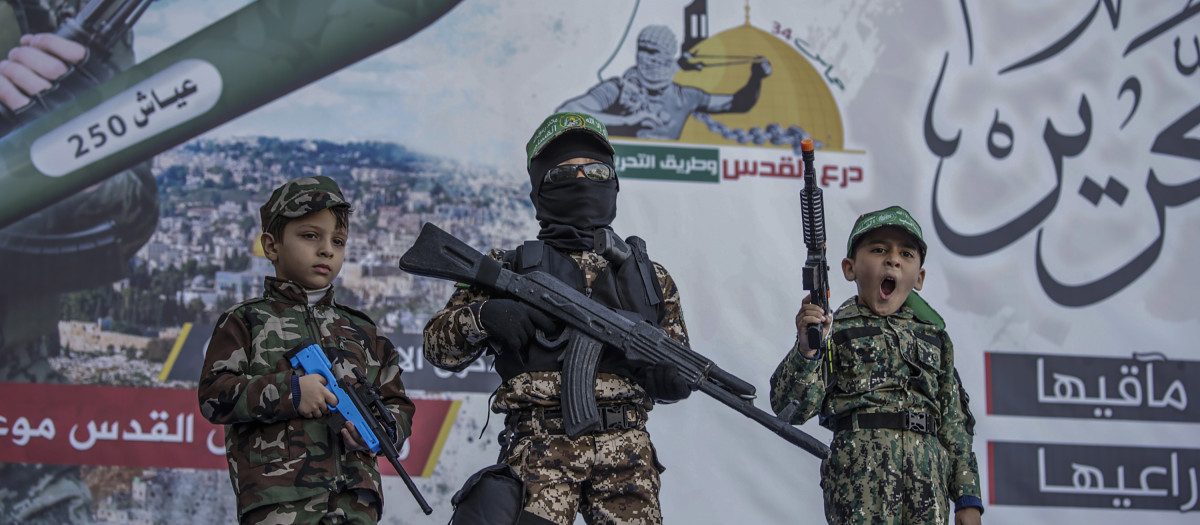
885, 476
610, 477
357, 507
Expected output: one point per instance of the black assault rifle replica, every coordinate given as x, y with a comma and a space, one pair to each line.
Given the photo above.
590, 328
816, 266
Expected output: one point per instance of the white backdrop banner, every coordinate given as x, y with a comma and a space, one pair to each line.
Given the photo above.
1050, 151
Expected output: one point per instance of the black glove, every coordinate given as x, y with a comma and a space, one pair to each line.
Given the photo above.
511, 324
663, 382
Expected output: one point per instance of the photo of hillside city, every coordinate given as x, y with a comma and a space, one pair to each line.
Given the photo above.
203, 256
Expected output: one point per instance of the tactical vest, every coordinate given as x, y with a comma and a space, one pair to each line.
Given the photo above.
630, 288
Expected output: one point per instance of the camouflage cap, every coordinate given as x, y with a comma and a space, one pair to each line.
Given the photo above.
892, 216
300, 197
557, 124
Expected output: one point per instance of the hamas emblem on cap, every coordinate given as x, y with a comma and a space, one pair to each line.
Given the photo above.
570, 121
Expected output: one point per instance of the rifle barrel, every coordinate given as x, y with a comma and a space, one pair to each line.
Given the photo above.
91, 12
784, 429
408, 481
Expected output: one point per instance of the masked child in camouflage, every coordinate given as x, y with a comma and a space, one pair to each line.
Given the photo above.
887, 387
286, 465
612, 474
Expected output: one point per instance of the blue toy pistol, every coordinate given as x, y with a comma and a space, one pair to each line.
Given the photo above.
354, 404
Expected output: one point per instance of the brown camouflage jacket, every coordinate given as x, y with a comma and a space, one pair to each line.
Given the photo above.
275, 454
884, 364
454, 338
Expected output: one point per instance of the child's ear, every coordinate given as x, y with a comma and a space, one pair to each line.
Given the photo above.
268, 245
920, 279
848, 268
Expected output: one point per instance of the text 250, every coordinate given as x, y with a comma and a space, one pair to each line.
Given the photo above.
97, 135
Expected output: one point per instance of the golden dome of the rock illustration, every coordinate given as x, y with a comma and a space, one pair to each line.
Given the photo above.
795, 93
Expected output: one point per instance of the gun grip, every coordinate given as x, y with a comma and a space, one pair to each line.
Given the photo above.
336, 421
580, 414
814, 337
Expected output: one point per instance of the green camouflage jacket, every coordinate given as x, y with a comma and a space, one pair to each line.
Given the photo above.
884, 364
454, 338
274, 453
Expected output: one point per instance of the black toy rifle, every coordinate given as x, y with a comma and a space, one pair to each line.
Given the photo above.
99, 25
816, 266
590, 328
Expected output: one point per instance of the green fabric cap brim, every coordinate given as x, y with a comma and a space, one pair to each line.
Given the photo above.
559, 123
891, 216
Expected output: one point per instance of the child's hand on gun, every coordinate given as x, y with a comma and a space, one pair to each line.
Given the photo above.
354, 441
810, 314
315, 399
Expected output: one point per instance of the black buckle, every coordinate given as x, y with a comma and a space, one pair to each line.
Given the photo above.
506, 437
918, 422
612, 417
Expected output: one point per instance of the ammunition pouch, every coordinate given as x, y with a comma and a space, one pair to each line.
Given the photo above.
494, 495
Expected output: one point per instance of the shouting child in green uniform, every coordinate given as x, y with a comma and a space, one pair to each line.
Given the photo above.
887, 387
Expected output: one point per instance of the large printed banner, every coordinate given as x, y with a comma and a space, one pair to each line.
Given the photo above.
100, 425
1050, 151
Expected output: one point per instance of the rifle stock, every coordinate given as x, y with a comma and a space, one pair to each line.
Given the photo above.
591, 326
441, 255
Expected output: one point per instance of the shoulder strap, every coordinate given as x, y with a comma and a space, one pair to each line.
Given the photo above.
654, 293
846, 335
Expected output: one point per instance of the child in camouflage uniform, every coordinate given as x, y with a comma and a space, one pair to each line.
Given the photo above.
610, 475
286, 465
887, 387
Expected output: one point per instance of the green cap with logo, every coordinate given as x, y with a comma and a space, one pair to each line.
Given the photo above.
559, 123
891, 216
300, 197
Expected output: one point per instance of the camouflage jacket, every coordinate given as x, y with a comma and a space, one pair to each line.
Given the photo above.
884, 364
454, 338
274, 453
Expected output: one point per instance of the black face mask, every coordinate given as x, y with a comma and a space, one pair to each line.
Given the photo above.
571, 211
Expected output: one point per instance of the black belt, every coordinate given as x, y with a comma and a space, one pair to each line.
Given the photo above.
920, 422
612, 417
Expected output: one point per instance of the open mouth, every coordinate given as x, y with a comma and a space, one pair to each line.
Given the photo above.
887, 287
